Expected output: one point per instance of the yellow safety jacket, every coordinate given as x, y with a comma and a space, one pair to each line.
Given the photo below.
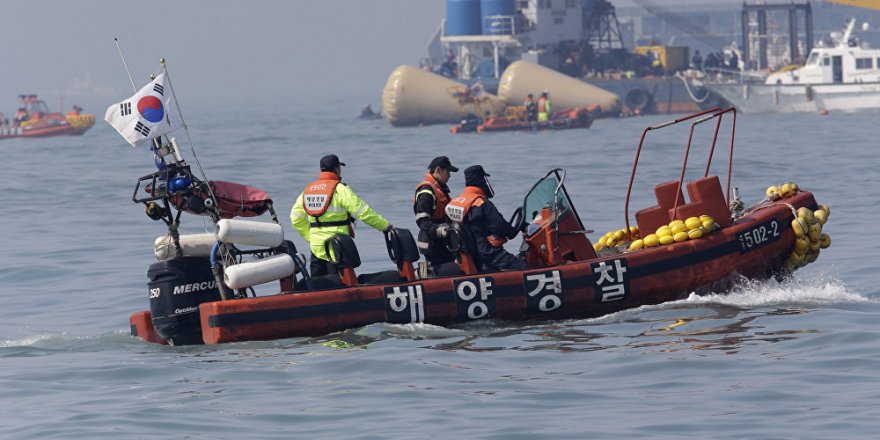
332, 205
543, 109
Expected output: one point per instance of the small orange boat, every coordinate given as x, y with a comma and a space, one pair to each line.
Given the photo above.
515, 119
33, 119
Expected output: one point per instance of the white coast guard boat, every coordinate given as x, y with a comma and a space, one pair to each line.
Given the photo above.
844, 76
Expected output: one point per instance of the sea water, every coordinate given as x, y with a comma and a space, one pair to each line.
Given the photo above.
797, 359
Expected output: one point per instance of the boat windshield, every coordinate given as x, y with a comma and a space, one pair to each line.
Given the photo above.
814, 59
542, 196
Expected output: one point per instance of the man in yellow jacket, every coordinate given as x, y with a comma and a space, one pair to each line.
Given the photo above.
328, 207
544, 111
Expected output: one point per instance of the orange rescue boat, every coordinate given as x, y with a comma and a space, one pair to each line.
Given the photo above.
33, 119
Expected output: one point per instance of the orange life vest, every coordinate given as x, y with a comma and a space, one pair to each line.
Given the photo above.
542, 104
458, 208
441, 199
318, 194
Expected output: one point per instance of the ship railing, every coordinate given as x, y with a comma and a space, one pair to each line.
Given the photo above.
704, 116
500, 25
728, 76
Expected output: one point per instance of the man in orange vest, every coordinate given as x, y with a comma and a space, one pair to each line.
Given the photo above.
429, 204
474, 211
544, 107
328, 207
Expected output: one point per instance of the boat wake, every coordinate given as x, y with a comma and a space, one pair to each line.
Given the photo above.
803, 289
62, 341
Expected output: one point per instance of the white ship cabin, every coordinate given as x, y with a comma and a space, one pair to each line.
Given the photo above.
847, 61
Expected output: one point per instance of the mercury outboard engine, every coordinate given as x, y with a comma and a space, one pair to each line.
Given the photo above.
177, 287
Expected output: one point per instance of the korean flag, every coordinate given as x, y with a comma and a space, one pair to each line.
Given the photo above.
146, 115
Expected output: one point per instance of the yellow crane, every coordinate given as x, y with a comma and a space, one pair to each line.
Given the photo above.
870, 4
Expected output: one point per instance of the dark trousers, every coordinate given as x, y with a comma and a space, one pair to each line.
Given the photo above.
438, 254
319, 267
500, 259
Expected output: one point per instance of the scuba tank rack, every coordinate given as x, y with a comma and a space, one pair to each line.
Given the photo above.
175, 186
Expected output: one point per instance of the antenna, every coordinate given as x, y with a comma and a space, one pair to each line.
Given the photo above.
186, 129
133, 87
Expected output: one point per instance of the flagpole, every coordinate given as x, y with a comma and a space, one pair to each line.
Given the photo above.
133, 87
186, 131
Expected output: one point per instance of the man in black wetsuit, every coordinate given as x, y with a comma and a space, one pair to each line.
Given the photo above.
429, 205
475, 211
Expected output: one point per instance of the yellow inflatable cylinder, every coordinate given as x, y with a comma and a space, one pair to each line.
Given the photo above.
413, 96
523, 77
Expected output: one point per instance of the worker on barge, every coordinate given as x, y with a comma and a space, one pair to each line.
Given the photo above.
429, 205
544, 107
475, 211
328, 207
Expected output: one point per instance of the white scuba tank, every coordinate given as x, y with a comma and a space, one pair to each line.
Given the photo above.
256, 272
192, 245
250, 233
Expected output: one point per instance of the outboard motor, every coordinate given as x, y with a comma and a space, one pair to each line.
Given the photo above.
177, 287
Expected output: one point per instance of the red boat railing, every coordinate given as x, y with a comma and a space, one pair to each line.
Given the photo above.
705, 115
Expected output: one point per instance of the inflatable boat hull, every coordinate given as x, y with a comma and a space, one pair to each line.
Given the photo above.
754, 247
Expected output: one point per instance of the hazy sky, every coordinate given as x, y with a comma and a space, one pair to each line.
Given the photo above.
219, 49
215, 49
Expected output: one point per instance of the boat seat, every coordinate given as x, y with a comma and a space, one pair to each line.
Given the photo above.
707, 198
384, 277
449, 269
319, 283
649, 219
460, 240
403, 251
343, 253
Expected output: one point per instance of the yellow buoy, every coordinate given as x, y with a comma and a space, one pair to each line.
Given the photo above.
799, 228
680, 236
826, 209
796, 259
651, 240
597, 247
678, 227
693, 223
695, 233
771, 190
603, 241
638, 244
666, 239
704, 217
634, 231
814, 246
821, 216
824, 241
812, 256
815, 231
806, 214
611, 242
664, 230
618, 235
801, 244
709, 225
676, 222
785, 190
